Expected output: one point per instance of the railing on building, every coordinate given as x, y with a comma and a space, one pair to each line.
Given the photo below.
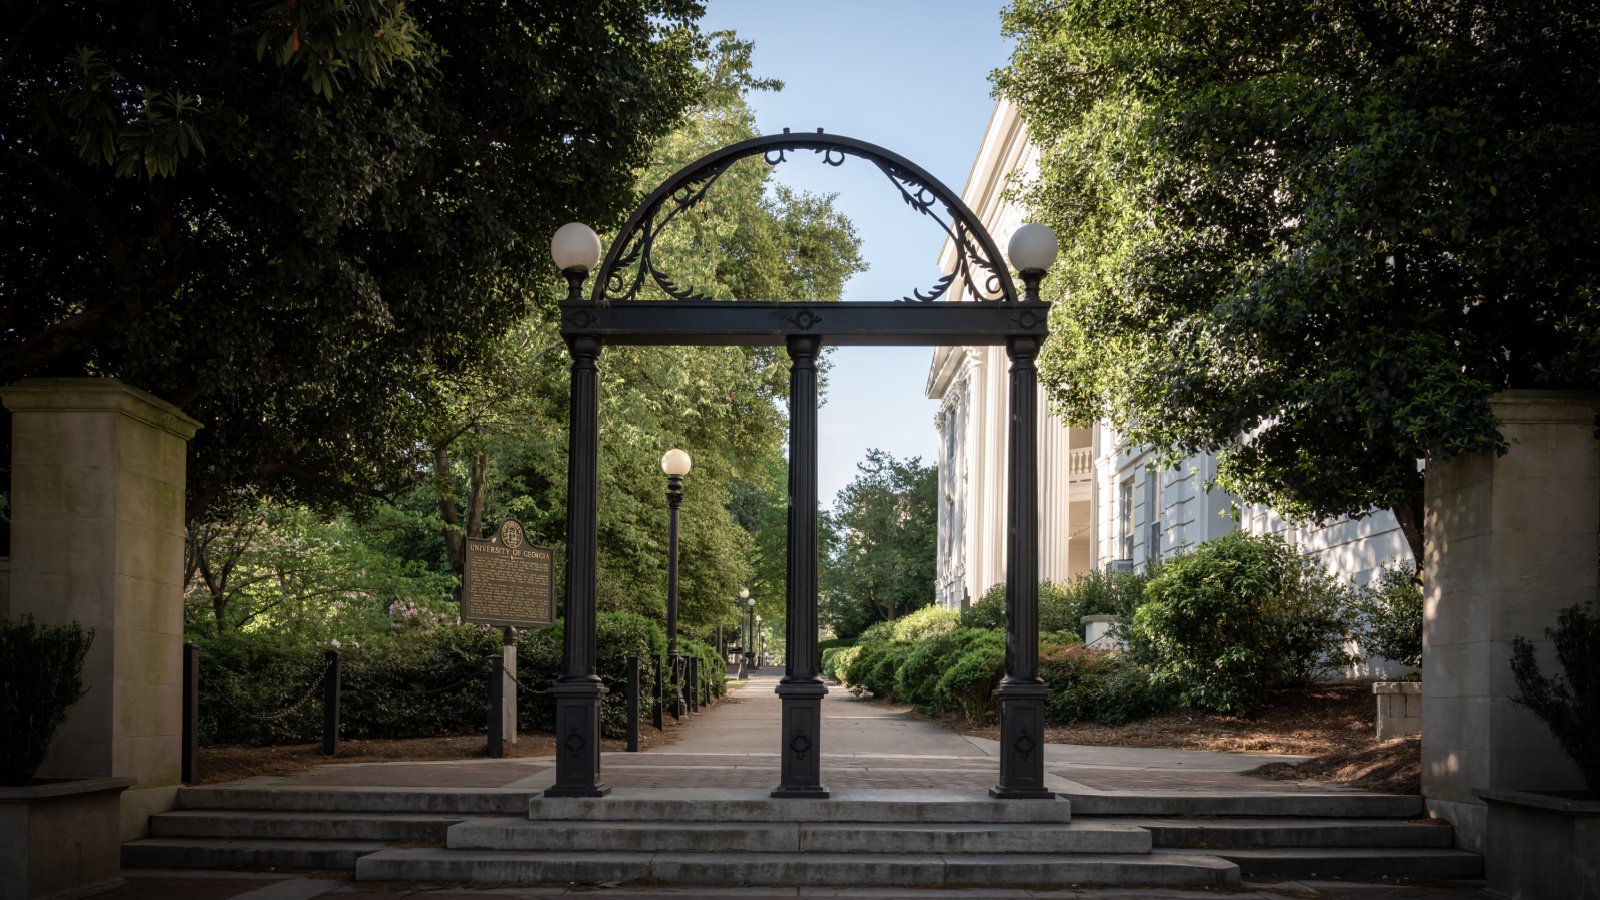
1080, 464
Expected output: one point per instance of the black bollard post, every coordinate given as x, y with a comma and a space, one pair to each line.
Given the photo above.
655, 702
330, 706
190, 773
633, 703
497, 693
693, 677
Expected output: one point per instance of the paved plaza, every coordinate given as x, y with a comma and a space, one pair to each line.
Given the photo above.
730, 746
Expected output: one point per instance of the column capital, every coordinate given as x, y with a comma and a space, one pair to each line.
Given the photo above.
97, 395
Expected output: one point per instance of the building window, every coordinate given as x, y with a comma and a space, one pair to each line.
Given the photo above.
1152, 514
1125, 519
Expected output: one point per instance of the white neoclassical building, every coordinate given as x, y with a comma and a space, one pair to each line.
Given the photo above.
1102, 501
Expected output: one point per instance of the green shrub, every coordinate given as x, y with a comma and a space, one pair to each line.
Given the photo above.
267, 689
1096, 685
874, 668
1062, 607
1107, 592
1571, 707
917, 682
833, 643
41, 677
969, 683
1237, 617
927, 622
836, 661
1389, 615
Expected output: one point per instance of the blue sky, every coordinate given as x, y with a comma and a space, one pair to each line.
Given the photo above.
912, 77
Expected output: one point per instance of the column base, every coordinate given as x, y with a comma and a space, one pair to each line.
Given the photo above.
801, 793
578, 739
801, 774
1021, 742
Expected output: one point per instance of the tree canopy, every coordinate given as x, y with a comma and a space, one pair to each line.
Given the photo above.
298, 221
749, 238
884, 528
1314, 236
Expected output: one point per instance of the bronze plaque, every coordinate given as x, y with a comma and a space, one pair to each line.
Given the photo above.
508, 580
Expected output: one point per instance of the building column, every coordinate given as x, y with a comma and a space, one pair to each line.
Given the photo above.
578, 691
801, 690
1021, 692
1510, 543
97, 502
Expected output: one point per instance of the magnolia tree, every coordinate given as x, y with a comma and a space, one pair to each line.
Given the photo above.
1314, 237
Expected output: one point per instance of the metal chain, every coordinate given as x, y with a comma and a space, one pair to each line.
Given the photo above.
482, 671
311, 691
523, 685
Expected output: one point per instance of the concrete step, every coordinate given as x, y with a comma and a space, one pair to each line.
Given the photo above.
851, 869
1297, 805
1284, 832
303, 825
753, 805
796, 837
464, 801
227, 853
1355, 862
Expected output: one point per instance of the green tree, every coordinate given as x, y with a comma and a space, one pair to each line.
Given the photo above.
1314, 236
749, 239
295, 221
287, 570
881, 562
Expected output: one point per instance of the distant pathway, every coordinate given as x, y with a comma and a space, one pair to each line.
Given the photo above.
734, 744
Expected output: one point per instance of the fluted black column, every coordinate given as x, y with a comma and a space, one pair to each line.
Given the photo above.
801, 691
577, 693
1021, 692
674, 501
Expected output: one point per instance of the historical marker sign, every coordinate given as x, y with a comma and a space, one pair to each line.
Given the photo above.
508, 580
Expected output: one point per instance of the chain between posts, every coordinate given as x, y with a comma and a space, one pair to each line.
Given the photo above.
278, 716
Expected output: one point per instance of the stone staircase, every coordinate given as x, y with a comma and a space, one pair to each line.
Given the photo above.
1294, 835
860, 837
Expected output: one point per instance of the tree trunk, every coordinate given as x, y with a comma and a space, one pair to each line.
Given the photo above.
477, 491
1409, 515
218, 589
454, 543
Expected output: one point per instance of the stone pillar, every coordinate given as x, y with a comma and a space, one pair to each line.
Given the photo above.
1511, 541
97, 502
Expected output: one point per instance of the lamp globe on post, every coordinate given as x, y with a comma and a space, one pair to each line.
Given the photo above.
1032, 250
675, 463
576, 250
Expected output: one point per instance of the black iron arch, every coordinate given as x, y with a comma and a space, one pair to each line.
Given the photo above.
802, 326
629, 264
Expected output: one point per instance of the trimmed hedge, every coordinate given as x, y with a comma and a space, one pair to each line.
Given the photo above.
264, 689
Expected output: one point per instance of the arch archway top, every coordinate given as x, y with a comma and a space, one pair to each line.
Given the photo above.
629, 264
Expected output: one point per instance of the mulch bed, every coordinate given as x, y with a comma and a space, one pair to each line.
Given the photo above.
1334, 723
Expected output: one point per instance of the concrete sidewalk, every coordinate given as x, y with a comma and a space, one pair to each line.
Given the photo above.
733, 744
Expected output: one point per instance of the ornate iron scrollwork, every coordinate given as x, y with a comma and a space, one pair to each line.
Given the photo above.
631, 264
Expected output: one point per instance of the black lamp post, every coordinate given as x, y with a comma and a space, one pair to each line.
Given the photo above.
1022, 692
675, 463
749, 631
577, 692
